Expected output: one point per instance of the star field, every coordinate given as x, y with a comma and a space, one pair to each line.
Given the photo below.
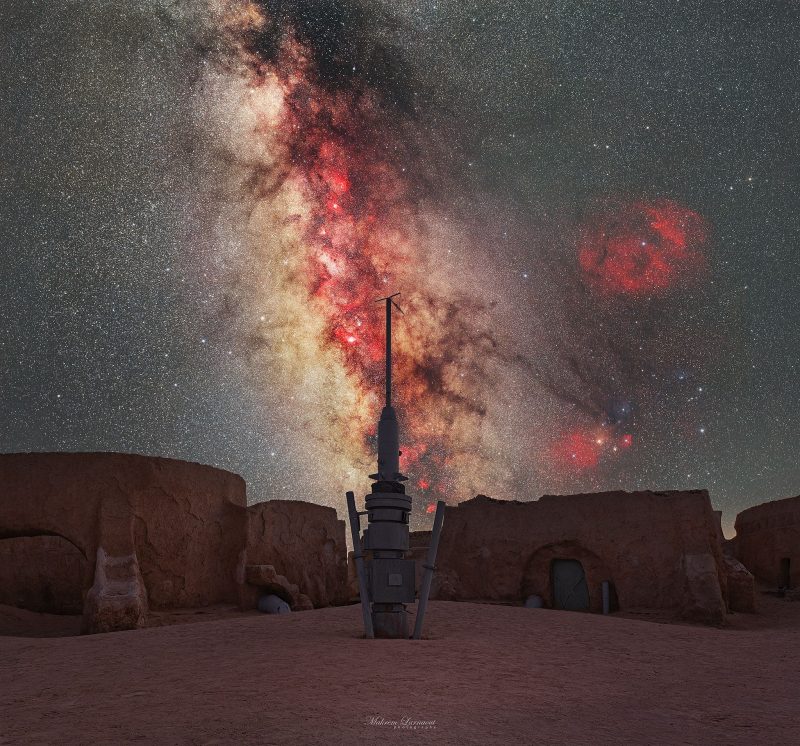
155, 300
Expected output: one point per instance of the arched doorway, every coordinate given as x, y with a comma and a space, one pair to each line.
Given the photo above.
575, 584
43, 573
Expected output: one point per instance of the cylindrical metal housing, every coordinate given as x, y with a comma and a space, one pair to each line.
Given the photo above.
388, 445
387, 536
395, 500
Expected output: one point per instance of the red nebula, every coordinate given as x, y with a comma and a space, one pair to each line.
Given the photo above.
577, 449
626, 441
411, 455
423, 484
345, 336
431, 508
643, 248
348, 186
358, 210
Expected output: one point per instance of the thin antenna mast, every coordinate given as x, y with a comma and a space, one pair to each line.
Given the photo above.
388, 432
389, 304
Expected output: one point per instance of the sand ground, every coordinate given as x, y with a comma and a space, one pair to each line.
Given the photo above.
485, 675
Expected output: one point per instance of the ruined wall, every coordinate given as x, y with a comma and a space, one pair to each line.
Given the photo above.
150, 531
189, 534
766, 536
660, 550
741, 586
305, 543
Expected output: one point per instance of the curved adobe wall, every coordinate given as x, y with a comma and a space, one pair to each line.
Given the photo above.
767, 536
154, 531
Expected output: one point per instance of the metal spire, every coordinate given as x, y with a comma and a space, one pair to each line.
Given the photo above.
389, 303
388, 583
388, 431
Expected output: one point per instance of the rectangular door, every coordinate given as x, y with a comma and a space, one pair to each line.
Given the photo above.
570, 591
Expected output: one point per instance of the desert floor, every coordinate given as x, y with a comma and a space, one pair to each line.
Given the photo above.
485, 675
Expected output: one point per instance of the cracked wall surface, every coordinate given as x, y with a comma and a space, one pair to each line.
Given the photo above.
305, 543
181, 528
660, 550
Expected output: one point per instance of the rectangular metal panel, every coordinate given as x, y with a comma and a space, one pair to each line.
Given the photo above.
392, 580
388, 514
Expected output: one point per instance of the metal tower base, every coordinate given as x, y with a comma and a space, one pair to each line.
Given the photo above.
390, 620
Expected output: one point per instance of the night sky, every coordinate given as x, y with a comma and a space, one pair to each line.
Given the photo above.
590, 209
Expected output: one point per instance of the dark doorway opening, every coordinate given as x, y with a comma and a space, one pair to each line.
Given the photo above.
42, 573
785, 575
568, 581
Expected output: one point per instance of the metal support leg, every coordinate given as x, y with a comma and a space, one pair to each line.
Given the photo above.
358, 556
430, 562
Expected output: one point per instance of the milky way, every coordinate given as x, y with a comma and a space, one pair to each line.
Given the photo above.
339, 212
345, 183
586, 210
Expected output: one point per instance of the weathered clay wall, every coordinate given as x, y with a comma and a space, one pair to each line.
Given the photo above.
741, 586
189, 534
305, 543
660, 550
767, 534
152, 531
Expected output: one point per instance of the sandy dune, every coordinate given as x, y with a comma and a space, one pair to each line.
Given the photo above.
487, 674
